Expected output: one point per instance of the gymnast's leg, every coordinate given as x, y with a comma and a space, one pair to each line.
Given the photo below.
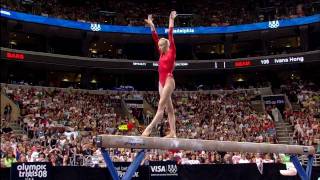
164, 97
172, 119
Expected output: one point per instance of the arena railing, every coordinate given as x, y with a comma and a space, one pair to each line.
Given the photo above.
249, 90
304, 160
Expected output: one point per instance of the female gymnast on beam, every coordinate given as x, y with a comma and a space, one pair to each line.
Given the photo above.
167, 51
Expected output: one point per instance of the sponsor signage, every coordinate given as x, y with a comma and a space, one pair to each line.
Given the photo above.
123, 127
122, 168
244, 63
12, 55
95, 27
31, 171
139, 106
274, 100
163, 170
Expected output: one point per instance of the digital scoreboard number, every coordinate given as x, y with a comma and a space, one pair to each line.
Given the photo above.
265, 61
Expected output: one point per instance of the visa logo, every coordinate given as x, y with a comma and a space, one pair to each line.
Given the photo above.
158, 169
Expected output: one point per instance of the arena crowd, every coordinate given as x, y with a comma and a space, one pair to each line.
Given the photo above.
60, 125
132, 13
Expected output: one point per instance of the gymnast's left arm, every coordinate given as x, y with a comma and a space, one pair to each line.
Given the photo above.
173, 15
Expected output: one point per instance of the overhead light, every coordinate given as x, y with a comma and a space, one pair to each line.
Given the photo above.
109, 50
65, 80
110, 45
288, 45
13, 42
93, 81
240, 80
28, 37
212, 52
94, 51
104, 42
94, 44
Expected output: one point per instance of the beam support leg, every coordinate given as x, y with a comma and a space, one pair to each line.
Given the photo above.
304, 175
134, 165
309, 166
131, 169
109, 163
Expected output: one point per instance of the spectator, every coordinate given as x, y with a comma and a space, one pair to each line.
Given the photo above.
243, 159
9, 159
7, 112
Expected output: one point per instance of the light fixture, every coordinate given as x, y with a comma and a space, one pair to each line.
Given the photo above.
65, 80
94, 51
240, 80
13, 42
93, 81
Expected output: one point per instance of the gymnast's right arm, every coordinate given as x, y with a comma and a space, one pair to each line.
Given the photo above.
155, 37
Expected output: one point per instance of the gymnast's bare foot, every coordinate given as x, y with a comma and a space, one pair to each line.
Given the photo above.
171, 135
146, 132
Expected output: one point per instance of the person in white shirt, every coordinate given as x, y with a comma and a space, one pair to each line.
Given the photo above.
267, 159
243, 159
236, 158
34, 156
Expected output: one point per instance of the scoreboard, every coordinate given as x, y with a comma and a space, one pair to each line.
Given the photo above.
236, 63
220, 64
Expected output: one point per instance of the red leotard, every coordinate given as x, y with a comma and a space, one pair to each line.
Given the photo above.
166, 60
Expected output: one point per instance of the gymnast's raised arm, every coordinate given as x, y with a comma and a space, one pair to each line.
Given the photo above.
155, 37
173, 15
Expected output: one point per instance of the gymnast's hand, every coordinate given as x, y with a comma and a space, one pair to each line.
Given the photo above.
149, 21
173, 15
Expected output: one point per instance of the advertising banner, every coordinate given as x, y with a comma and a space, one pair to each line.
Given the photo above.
163, 170
31, 171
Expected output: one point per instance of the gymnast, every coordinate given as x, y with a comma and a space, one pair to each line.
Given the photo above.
167, 51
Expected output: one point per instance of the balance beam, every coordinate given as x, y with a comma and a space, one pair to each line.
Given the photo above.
140, 142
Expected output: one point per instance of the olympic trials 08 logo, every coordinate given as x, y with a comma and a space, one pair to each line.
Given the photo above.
274, 24
95, 27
